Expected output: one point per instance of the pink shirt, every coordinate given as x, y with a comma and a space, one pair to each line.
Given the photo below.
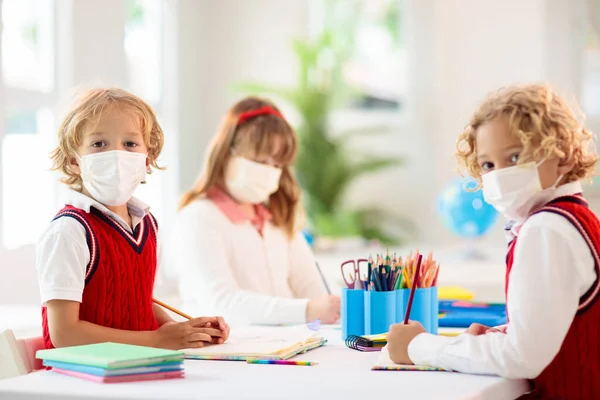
235, 213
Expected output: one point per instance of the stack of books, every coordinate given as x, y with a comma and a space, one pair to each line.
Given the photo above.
114, 362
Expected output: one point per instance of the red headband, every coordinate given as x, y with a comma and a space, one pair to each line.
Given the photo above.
266, 110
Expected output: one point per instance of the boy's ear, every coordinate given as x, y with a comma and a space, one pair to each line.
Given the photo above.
74, 166
565, 166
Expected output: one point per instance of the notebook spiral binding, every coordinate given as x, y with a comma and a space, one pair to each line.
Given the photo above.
358, 342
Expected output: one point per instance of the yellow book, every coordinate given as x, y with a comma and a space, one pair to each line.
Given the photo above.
454, 293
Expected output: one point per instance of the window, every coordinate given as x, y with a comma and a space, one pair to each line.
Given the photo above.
143, 34
368, 39
143, 50
27, 44
28, 86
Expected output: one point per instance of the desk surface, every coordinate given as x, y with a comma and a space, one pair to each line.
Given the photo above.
341, 374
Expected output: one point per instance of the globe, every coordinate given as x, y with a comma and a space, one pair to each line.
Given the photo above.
464, 212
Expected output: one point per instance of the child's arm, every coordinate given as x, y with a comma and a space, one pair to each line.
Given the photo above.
552, 268
66, 329
161, 315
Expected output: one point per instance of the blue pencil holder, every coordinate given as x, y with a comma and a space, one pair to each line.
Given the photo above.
401, 300
380, 311
422, 310
435, 310
352, 312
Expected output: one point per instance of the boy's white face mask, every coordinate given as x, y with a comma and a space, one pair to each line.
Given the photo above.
249, 181
516, 191
111, 177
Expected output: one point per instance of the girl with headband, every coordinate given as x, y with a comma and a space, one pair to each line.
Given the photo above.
237, 243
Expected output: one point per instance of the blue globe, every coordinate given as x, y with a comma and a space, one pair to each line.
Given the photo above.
463, 212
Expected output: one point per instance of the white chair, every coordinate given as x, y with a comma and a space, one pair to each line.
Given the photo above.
17, 357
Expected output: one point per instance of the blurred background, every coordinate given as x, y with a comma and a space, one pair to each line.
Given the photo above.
378, 90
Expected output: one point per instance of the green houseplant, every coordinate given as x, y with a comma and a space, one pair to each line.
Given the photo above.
325, 167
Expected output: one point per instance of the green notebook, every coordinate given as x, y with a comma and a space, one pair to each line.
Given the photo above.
110, 355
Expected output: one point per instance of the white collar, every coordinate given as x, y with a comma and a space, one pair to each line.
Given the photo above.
135, 206
568, 189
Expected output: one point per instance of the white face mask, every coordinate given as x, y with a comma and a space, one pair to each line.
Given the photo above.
516, 191
249, 181
111, 177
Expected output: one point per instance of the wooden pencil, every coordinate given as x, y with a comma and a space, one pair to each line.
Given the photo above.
168, 307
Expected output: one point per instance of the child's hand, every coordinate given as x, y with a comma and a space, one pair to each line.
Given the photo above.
186, 335
220, 324
326, 308
477, 329
398, 339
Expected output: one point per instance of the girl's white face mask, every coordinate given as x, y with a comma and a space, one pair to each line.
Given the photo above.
111, 177
516, 191
249, 181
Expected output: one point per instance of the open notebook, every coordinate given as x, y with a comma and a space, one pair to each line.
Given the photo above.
261, 342
385, 364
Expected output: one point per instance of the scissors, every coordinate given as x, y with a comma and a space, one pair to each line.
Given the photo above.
351, 273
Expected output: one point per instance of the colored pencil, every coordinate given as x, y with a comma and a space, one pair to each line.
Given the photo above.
283, 362
168, 307
412, 289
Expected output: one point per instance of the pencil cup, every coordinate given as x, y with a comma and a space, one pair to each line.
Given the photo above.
380, 311
435, 309
401, 301
421, 308
352, 312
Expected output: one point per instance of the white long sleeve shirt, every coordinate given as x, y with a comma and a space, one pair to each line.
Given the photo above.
552, 268
227, 268
62, 253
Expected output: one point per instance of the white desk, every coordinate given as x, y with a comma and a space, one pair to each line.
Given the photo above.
341, 374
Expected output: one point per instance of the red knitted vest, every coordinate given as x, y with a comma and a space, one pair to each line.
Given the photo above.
575, 371
120, 276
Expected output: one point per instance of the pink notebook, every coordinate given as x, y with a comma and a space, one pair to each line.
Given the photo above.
122, 378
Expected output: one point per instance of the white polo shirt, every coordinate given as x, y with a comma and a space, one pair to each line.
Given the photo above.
62, 253
227, 268
552, 269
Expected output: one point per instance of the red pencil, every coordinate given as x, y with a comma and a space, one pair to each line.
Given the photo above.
412, 289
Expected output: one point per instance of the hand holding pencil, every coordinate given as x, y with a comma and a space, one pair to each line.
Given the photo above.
215, 327
424, 274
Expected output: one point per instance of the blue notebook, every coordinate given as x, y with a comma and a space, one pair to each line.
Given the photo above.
97, 371
464, 319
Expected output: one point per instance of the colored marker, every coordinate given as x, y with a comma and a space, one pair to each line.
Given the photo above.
282, 362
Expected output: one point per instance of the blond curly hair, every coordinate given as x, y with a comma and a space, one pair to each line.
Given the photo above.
544, 123
85, 114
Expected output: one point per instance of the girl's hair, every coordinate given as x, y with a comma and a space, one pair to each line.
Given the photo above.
85, 115
543, 122
262, 135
